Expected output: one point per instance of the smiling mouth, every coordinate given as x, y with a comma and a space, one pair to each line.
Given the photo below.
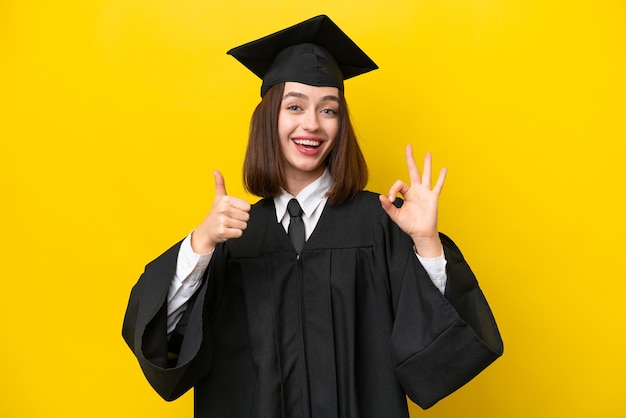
307, 143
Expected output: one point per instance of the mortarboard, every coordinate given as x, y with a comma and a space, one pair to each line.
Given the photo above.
314, 52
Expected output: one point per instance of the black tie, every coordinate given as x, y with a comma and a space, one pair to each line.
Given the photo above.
296, 227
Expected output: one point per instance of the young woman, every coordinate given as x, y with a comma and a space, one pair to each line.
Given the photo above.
321, 299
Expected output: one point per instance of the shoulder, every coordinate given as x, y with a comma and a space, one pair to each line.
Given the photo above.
262, 203
364, 209
367, 201
263, 207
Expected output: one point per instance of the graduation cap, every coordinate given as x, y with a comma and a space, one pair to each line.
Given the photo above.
314, 52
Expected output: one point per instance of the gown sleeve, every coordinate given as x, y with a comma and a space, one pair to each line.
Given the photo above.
439, 342
171, 367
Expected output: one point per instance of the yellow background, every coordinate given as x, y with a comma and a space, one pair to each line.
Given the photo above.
113, 114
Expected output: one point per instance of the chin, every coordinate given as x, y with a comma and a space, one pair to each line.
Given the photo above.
308, 168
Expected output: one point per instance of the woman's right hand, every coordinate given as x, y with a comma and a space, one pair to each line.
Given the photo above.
227, 219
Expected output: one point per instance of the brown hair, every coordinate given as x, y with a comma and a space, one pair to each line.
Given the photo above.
263, 172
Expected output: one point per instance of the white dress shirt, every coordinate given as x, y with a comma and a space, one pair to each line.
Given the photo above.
191, 266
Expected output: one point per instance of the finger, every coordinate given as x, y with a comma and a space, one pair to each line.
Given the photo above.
426, 174
440, 180
398, 187
229, 228
238, 214
237, 203
235, 233
229, 233
220, 186
387, 205
414, 174
232, 223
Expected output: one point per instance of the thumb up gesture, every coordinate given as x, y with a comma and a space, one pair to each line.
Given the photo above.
227, 219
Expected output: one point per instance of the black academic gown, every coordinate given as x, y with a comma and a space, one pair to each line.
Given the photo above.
345, 330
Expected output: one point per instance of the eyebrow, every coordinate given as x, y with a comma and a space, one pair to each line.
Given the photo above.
305, 97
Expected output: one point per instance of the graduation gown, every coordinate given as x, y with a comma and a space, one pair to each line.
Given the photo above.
345, 330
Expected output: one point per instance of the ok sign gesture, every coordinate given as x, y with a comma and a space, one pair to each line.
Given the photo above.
417, 217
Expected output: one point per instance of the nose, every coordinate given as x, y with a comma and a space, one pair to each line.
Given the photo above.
310, 121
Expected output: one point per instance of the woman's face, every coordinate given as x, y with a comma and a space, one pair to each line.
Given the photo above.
308, 122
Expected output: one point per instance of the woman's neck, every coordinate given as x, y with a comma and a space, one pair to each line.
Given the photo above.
296, 182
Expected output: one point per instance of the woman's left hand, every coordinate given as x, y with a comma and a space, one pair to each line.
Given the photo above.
418, 215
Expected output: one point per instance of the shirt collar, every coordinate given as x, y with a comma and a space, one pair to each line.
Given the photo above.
309, 198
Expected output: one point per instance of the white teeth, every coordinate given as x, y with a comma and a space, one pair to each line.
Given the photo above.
307, 142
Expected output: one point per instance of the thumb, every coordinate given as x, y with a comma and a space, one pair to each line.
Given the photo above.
220, 187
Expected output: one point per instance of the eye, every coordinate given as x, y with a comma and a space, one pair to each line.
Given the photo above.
294, 108
329, 112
